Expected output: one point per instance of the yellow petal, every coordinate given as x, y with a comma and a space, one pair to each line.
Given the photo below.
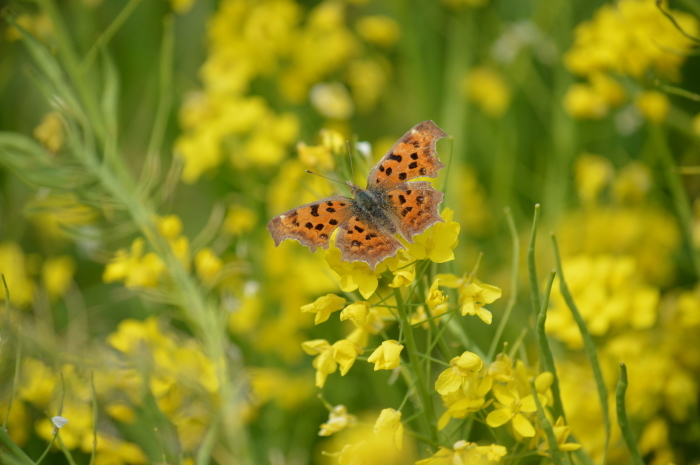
498, 417
449, 381
503, 394
490, 293
523, 426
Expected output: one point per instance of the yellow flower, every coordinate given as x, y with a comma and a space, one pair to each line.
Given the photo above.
462, 370
436, 299
344, 353
465, 453
390, 421
332, 100
323, 362
653, 105
207, 264
324, 306
13, 265
509, 407
561, 433
387, 356
695, 125
438, 241
50, 132
354, 275
134, 268
473, 298
403, 277
608, 88
582, 101
488, 89
239, 220
633, 183
357, 312
592, 174
338, 420
470, 398
379, 30
181, 6
170, 227
57, 274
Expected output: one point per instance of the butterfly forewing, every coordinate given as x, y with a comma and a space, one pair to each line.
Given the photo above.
416, 207
311, 224
411, 157
358, 240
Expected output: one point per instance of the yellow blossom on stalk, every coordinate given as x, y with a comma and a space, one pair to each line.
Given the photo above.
631, 37
357, 312
344, 353
239, 220
654, 105
265, 383
387, 356
57, 274
378, 30
470, 398
438, 241
581, 101
207, 264
462, 370
135, 268
561, 433
592, 174
465, 453
488, 89
474, 296
354, 275
170, 226
324, 306
14, 265
50, 132
502, 369
37, 382
338, 420
328, 357
112, 451
436, 299
373, 324
390, 421
403, 277
509, 407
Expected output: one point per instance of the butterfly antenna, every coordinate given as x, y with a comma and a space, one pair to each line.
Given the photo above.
352, 170
326, 177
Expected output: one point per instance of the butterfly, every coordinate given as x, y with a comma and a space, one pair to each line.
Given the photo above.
389, 205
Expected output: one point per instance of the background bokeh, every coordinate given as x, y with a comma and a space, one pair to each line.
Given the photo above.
144, 145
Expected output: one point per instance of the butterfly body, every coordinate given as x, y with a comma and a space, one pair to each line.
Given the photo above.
368, 222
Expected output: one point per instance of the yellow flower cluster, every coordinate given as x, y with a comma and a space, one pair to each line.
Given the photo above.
631, 37
301, 54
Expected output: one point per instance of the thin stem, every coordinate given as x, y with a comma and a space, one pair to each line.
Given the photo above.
532, 266
627, 433
108, 33
93, 393
547, 426
413, 357
513, 285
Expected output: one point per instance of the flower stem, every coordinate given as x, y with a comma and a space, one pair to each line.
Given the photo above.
622, 417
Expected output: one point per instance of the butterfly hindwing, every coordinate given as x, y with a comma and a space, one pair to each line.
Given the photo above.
358, 240
411, 157
416, 207
311, 224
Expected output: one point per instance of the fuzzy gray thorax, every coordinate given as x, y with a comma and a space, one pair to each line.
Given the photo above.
372, 207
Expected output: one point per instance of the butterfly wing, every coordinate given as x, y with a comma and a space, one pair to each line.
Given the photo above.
360, 241
415, 206
311, 224
412, 156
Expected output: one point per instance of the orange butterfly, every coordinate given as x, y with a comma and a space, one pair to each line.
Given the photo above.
369, 221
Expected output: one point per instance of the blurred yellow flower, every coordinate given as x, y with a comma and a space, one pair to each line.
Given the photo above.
239, 220
345, 352
488, 89
338, 420
324, 306
170, 227
581, 101
438, 241
13, 265
436, 299
357, 312
135, 268
207, 265
50, 131
386, 356
57, 274
654, 105
509, 407
324, 363
181, 6
378, 30
632, 183
561, 433
390, 421
592, 174
354, 275
332, 100
466, 453
695, 125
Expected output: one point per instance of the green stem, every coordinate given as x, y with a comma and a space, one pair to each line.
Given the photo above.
14, 449
547, 426
546, 357
622, 417
589, 346
532, 266
513, 285
413, 357
108, 33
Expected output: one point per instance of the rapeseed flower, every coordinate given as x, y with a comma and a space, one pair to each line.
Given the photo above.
653, 105
461, 372
386, 356
382, 31
239, 220
354, 275
324, 306
465, 453
207, 265
438, 241
472, 296
338, 420
510, 407
488, 89
561, 433
14, 265
50, 132
390, 421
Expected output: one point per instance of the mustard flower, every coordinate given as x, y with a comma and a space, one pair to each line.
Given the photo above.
436, 299
465, 453
323, 362
57, 274
509, 408
50, 131
239, 220
592, 174
474, 296
470, 398
390, 421
379, 30
338, 420
332, 100
13, 264
354, 275
324, 306
461, 369
438, 241
501, 369
561, 433
207, 264
403, 277
386, 356
581, 101
344, 353
654, 105
488, 89
357, 312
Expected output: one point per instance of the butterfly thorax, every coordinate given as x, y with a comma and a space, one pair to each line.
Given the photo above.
371, 206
